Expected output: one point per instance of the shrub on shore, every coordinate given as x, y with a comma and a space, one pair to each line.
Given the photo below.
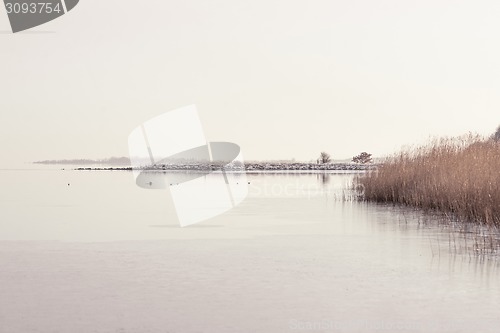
460, 176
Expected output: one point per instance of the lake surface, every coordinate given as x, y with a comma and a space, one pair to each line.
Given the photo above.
104, 255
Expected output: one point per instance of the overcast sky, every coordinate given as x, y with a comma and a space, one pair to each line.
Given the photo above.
282, 79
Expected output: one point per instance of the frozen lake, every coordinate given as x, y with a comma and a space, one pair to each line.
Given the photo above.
103, 255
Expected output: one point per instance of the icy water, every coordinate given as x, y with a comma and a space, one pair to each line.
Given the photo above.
103, 255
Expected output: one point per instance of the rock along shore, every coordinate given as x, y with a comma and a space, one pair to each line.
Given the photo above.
251, 167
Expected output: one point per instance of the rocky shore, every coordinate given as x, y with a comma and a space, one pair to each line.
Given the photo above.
249, 167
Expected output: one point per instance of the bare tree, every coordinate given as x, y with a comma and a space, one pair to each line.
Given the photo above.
324, 157
363, 158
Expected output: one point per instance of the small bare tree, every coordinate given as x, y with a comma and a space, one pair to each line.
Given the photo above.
363, 158
324, 157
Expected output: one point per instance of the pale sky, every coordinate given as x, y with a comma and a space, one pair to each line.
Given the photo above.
282, 79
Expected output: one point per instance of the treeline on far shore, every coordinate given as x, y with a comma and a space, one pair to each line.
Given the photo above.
456, 176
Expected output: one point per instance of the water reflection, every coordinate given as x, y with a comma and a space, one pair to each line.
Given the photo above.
453, 246
293, 251
39, 205
329, 198
323, 178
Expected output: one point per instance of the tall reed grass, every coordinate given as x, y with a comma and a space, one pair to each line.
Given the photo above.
457, 176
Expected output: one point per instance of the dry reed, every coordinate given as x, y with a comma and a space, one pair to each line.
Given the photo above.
456, 176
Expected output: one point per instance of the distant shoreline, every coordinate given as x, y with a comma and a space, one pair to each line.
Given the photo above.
123, 161
248, 167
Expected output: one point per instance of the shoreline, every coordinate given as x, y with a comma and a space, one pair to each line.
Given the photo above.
249, 167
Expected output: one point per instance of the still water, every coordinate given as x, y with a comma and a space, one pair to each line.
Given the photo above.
89, 251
